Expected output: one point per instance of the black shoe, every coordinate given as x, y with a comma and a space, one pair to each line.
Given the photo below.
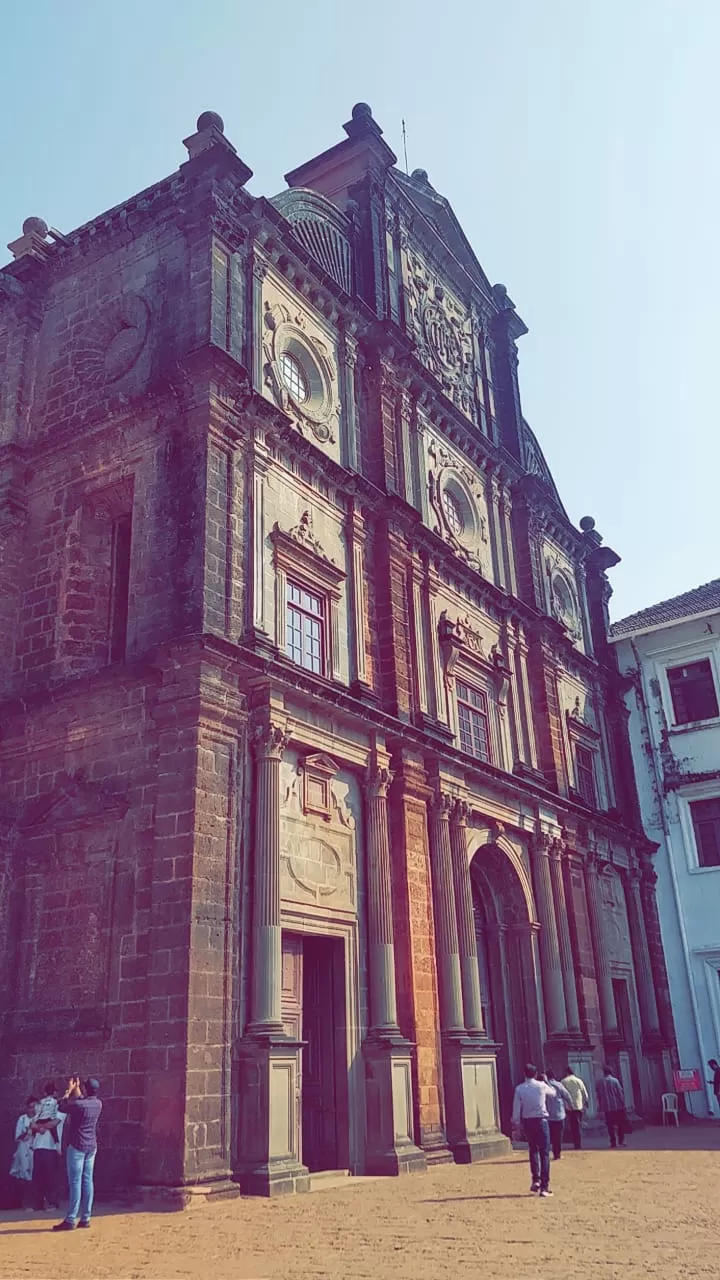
84, 1224
64, 1226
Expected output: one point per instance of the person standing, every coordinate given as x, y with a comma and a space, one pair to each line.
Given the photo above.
579, 1101
45, 1149
557, 1110
714, 1066
21, 1167
83, 1113
611, 1101
530, 1112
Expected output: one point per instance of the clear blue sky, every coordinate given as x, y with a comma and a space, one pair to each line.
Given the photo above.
576, 139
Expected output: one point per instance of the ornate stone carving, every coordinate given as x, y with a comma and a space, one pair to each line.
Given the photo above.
303, 536
450, 474
269, 739
563, 598
442, 331
317, 856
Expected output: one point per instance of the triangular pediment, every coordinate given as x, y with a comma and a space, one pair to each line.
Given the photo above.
320, 763
438, 211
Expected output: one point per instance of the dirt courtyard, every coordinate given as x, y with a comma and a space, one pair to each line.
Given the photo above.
650, 1211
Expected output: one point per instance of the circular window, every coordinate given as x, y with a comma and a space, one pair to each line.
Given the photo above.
452, 508
294, 378
563, 601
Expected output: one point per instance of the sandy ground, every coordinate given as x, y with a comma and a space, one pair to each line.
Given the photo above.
650, 1211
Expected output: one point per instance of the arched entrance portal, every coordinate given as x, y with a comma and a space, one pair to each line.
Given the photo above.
509, 968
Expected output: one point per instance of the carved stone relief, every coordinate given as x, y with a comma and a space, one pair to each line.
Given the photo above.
615, 913
442, 331
562, 593
318, 837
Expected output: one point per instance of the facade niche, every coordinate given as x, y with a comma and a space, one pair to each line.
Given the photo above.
94, 590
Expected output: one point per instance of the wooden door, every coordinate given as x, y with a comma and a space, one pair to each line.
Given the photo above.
319, 1101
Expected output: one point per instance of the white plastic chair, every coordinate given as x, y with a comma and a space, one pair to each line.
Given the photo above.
670, 1108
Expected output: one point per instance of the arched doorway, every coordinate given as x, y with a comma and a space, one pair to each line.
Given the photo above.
509, 968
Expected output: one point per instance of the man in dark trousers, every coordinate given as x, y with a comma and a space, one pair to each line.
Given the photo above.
611, 1100
530, 1112
579, 1100
83, 1113
557, 1110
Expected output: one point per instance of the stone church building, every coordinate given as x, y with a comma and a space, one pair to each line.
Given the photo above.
317, 812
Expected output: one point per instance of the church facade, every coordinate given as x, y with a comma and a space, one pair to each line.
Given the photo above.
317, 813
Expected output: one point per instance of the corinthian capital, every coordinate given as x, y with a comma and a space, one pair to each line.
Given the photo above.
269, 738
460, 813
377, 780
442, 805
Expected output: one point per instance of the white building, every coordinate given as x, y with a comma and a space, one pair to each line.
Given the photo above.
670, 654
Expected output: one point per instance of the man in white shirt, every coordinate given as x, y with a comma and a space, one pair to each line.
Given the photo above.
45, 1148
580, 1100
530, 1112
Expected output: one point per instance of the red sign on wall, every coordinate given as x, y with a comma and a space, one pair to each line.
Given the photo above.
687, 1081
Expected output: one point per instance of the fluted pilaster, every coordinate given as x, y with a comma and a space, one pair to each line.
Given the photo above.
603, 977
446, 933
467, 942
269, 742
641, 954
549, 943
567, 963
383, 1000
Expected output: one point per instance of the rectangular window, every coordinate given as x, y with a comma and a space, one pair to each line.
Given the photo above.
705, 816
585, 769
305, 628
692, 689
119, 587
473, 721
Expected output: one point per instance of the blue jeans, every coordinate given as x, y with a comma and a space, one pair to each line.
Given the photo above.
537, 1133
80, 1166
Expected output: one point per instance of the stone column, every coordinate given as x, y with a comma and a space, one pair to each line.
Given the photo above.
657, 958
549, 944
390, 1147
505, 510
469, 970
356, 535
446, 932
641, 954
606, 996
469, 1064
566, 955
270, 741
383, 1000
268, 1062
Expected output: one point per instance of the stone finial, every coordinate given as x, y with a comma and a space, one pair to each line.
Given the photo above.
33, 241
421, 176
35, 226
210, 120
362, 124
